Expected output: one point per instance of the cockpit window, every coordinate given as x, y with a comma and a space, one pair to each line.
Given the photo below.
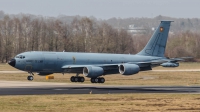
20, 56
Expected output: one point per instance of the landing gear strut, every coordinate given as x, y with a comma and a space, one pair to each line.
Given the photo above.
97, 80
30, 77
77, 78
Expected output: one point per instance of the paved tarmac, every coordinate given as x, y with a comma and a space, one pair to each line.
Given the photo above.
46, 88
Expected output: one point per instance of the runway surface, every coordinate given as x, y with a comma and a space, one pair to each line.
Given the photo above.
46, 88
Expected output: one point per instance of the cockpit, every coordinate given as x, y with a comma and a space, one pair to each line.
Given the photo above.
20, 56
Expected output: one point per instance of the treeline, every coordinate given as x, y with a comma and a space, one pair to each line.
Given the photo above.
84, 35
184, 44
179, 24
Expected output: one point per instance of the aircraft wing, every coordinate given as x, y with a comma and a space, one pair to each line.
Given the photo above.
112, 65
79, 68
160, 61
153, 62
82, 66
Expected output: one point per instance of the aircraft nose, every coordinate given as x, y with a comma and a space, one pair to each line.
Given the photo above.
12, 62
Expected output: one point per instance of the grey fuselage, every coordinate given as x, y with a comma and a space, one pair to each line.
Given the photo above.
52, 62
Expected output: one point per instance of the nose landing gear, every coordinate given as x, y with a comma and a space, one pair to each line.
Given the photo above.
30, 77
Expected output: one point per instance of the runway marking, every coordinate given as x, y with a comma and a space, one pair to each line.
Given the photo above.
60, 89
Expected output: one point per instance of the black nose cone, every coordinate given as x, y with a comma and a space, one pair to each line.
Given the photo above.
12, 62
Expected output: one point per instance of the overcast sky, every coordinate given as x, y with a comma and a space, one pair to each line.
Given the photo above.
104, 9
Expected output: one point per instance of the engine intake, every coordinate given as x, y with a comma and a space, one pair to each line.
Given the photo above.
128, 69
92, 72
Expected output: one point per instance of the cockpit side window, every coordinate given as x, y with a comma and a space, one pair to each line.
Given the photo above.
20, 56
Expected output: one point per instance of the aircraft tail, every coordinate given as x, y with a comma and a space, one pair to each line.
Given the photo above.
157, 44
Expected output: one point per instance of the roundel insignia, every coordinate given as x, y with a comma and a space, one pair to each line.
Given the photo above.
161, 29
74, 59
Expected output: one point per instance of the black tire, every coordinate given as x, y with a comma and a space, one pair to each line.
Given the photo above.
30, 78
76, 79
92, 80
81, 79
96, 80
101, 80
72, 79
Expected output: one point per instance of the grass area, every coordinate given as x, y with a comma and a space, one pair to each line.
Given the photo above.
6, 67
101, 103
109, 102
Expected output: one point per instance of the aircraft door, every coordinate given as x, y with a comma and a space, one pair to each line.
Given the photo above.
28, 65
50, 62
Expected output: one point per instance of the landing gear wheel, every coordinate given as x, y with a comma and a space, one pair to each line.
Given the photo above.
72, 79
101, 80
97, 80
77, 79
81, 79
92, 80
30, 78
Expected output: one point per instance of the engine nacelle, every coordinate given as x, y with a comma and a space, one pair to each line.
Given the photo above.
92, 72
44, 73
128, 69
170, 64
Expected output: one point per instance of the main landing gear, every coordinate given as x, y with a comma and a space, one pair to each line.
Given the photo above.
77, 79
97, 80
30, 77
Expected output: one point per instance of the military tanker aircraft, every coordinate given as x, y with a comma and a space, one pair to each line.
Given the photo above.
96, 65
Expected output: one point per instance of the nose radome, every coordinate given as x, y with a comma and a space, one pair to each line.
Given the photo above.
12, 62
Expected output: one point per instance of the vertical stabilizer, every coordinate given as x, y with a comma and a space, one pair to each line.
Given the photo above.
157, 44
